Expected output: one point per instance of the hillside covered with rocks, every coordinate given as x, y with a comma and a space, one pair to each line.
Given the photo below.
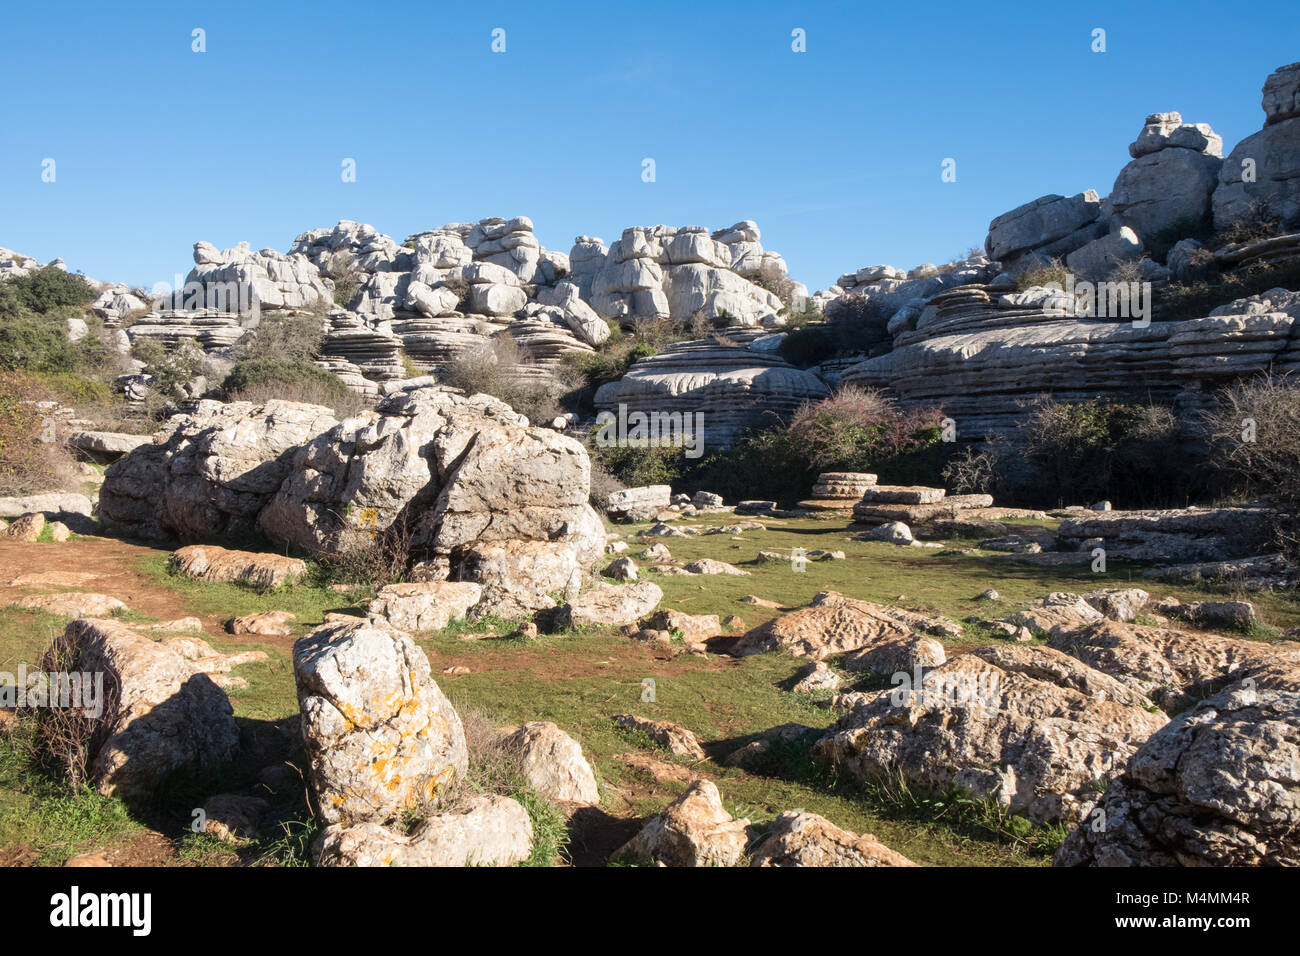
456, 550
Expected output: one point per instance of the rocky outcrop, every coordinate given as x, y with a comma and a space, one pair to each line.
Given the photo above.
834, 624
1171, 178
240, 280
482, 497
715, 389
1175, 668
1009, 724
1185, 534
1217, 786
1262, 173
213, 475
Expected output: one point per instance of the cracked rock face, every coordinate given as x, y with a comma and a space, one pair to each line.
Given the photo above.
380, 736
215, 472
1218, 786
1028, 727
486, 498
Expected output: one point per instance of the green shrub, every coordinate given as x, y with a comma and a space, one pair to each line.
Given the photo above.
859, 326
294, 380
36, 343
172, 369
1078, 452
1054, 274
46, 291
853, 430
294, 338
31, 460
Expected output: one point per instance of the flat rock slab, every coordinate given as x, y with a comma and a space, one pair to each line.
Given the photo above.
221, 565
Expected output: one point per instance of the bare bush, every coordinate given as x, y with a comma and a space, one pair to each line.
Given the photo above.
502, 369
31, 459
1255, 438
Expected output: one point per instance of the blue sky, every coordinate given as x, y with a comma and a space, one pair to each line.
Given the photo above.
836, 152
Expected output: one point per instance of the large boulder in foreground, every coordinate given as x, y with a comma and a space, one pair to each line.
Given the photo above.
1028, 727
161, 712
214, 473
381, 737
459, 481
1218, 786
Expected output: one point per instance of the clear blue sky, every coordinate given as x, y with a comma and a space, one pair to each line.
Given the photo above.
836, 152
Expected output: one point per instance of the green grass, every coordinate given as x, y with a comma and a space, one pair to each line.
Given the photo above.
39, 811
581, 678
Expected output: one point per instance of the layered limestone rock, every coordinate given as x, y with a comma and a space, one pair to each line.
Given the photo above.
983, 355
722, 388
372, 349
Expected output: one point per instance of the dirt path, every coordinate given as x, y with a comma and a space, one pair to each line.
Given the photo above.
102, 565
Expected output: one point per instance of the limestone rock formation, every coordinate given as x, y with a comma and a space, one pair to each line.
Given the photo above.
161, 713
554, 764
380, 736
214, 473
483, 498
998, 724
799, 838
714, 390
484, 830
1217, 786
1264, 168
695, 830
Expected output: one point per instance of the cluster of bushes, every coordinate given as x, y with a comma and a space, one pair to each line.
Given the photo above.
33, 329
502, 369
858, 326
31, 460
1136, 455
853, 430
291, 379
